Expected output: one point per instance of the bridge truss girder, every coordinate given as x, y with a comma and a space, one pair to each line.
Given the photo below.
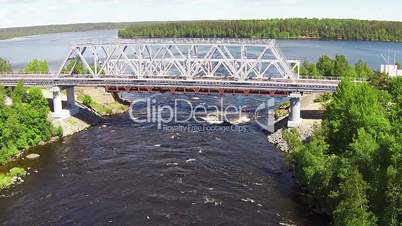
241, 59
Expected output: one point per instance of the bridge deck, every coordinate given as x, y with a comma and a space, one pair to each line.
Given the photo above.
130, 84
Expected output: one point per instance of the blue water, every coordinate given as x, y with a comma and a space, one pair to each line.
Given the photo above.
371, 52
54, 48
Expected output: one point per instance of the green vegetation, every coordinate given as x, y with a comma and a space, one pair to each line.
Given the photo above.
86, 100
6, 33
37, 66
78, 67
336, 29
10, 178
297, 28
24, 123
103, 109
339, 66
323, 98
5, 66
352, 166
282, 110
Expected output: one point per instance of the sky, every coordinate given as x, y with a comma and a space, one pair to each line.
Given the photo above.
16, 13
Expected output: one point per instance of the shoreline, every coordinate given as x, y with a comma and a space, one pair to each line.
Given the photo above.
86, 117
5, 38
312, 117
106, 105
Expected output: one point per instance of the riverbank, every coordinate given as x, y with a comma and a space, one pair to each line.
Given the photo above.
105, 104
311, 112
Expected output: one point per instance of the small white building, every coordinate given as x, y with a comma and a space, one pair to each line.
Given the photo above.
391, 70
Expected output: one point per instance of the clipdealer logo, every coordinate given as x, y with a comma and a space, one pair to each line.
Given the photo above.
163, 114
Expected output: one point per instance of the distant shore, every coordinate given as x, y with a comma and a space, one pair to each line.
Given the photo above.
292, 29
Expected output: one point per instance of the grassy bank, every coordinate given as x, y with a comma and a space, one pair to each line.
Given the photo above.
100, 101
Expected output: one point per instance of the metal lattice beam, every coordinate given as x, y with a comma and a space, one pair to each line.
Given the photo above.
235, 59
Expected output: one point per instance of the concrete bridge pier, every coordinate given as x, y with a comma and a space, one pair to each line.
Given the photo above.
295, 107
58, 111
71, 98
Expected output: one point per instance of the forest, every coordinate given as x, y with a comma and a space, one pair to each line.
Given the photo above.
351, 168
296, 28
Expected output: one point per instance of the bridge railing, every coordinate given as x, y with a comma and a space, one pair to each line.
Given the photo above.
25, 73
336, 78
128, 76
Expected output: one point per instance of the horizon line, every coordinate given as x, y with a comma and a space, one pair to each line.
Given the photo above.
195, 20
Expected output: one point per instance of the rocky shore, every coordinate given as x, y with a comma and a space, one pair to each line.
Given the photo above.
312, 117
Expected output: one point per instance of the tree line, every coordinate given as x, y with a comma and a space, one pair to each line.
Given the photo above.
295, 28
352, 166
34, 66
338, 67
42, 67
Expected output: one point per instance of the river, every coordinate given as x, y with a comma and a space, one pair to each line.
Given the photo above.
121, 172
54, 48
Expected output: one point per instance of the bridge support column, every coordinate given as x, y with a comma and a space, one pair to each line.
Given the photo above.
295, 107
57, 104
72, 107
70, 97
58, 112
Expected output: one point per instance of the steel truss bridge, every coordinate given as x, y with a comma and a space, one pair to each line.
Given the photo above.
177, 65
238, 59
212, 66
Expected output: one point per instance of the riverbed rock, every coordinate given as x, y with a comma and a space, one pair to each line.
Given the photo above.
32, 156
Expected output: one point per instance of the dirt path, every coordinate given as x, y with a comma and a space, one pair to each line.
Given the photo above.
311, 111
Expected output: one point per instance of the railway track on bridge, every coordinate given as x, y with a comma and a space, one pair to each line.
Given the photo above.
119, 84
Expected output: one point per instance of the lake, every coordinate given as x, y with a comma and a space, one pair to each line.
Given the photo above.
54, 48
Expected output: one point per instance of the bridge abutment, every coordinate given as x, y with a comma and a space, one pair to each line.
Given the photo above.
58, 111
295, 108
